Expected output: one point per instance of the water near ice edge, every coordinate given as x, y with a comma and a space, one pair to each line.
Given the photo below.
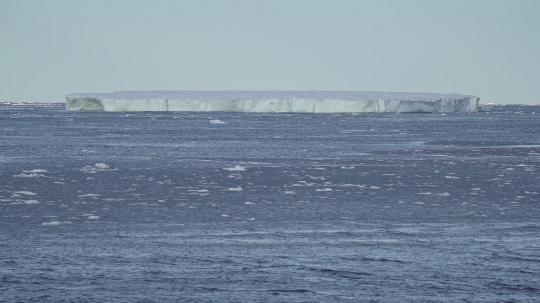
169, 207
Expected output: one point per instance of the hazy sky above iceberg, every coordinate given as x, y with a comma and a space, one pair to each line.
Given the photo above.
491, 49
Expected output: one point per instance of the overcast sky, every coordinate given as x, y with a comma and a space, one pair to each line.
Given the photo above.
490, 48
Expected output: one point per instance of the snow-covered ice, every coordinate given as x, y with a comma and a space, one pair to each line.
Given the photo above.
275, 101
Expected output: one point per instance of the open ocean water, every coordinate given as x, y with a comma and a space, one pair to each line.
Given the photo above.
233, 207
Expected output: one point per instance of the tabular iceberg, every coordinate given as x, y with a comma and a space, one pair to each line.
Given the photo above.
274, 102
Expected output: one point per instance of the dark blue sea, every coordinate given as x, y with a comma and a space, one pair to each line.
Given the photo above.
233, 207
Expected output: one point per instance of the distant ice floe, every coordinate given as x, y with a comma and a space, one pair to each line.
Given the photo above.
217, 121
36, 171
55, 223
235, 168
101, 166
236, 189
89, 195
23, 192
91, 217
31, 202
97, 167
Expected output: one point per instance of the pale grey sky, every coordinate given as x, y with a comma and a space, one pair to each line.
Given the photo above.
491, 49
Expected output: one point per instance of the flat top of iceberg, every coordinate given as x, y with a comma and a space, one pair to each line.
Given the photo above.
239, 95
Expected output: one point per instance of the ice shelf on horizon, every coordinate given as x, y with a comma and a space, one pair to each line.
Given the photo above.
275, 102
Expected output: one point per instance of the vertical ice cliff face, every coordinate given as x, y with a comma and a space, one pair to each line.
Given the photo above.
274, 102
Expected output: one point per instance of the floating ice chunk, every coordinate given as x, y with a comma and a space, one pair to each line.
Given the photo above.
28, 193
235, 168
443, 195
251, 219
217, 121
101, 166
236, 189
55, 223
31, 202
323, 189
90, 195
31, 175
485, 107
249, 203
347, 167
35, 171
224, 215
451, 177
93, 217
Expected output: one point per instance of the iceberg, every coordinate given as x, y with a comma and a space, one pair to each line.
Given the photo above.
274, 102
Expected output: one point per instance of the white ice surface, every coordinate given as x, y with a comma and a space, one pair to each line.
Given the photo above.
235, 168
273, 101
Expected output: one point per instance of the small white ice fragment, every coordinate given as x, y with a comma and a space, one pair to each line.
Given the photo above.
323, 189
101, 166
224, 215
217, 121
35, 171
31, 202
249, 203
54, 223
28, 193
235, 168
236, 189
251, 219
31, 175
93, 217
